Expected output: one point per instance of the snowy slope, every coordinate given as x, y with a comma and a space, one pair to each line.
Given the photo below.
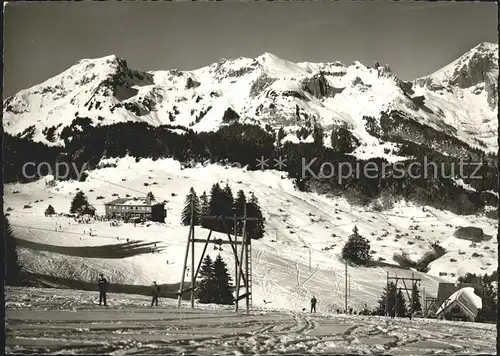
298, 224
262, 90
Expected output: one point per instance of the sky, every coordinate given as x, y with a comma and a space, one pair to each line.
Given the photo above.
42, 39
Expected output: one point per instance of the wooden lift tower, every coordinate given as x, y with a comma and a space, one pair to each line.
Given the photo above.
243, 262
411, 280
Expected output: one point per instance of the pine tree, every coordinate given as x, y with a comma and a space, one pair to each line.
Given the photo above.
205, 289
386, 300
228, 202
50, 210
205, 208
417, 305
12, 267
150, 196
216, 207
191, 198
356, 249
79, 201
223, 291
255, 229
401, 304
239, 205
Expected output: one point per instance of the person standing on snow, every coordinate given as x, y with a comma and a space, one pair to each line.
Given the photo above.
313, 304
156, 294
102, 283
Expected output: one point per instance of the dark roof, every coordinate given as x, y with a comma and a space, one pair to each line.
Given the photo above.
117, 201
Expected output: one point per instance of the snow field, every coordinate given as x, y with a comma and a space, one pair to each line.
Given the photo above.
301, 224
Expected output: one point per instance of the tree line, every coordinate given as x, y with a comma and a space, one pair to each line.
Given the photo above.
245, 144
221, 202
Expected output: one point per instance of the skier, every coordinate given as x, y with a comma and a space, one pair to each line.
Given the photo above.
156, 293
102, 284
313, 304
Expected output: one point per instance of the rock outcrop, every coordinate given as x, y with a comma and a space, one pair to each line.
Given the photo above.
319, 87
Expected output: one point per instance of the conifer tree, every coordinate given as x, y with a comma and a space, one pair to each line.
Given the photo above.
228, 202
401, 304
205, 289
50, 210
239, 205
255, 229
417, 305
356, 249
150, 196
12, 267
79, 201
387, 300
223, 291
186, 212
216, 206
205, 208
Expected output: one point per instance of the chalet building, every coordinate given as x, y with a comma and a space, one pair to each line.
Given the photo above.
446, 289
454, 304
463, 305
138, 208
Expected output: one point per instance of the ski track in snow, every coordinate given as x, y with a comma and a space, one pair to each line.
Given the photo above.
52, 321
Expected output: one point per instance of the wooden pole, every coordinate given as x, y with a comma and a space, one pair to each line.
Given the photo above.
246, 245
240, 270
387, 296
349, 285
236, 279
181, 287
239, 276
396, 301
413, 285
345, 286
425, 302
192, 253
203, 254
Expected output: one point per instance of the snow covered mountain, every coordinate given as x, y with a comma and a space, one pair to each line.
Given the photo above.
459, 99
467, 91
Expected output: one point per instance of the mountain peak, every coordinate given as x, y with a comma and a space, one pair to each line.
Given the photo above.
266, 56
487, 46
110, 61
476, 69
